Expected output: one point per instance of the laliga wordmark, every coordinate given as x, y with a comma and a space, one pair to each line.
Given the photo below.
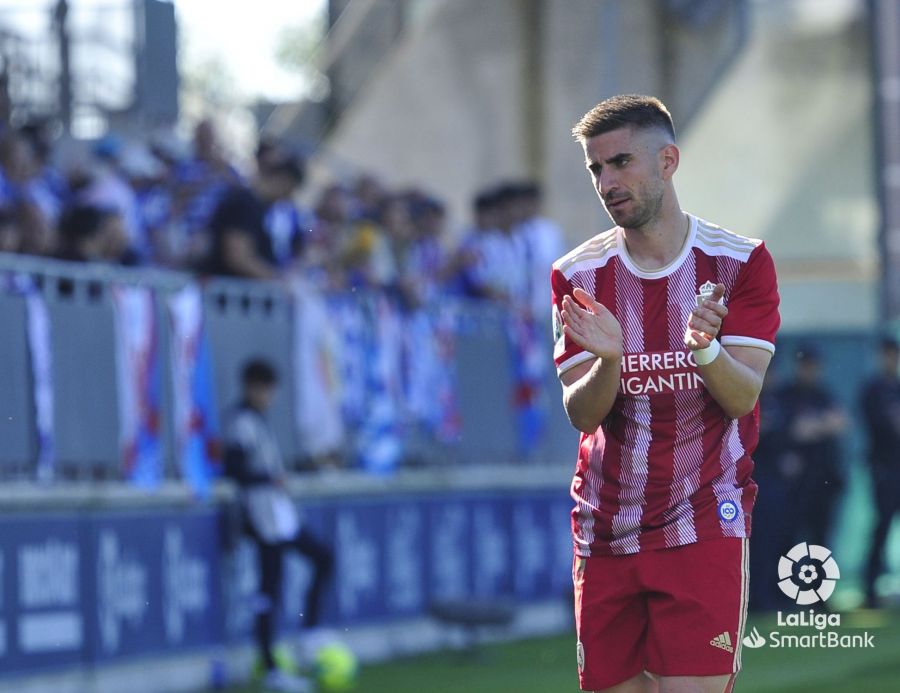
822, 638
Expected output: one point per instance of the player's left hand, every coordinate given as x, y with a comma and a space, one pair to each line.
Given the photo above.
705, 321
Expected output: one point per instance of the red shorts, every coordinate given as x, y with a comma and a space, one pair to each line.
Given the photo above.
671, 612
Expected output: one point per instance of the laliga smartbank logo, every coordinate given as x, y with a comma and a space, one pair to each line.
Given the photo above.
807, 574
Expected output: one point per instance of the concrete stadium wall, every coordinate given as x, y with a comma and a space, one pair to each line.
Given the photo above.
783, 152
774, 125
479, 91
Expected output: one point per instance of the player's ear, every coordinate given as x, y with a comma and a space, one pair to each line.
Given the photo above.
669, 157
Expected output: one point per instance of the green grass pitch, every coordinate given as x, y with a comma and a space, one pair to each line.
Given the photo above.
547, 665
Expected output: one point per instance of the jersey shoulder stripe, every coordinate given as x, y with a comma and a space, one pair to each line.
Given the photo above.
715, 240
594, 252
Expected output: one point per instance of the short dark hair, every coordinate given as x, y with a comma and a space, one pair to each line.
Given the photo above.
259, 371
484, 201
82, 221
283, 162
625, 110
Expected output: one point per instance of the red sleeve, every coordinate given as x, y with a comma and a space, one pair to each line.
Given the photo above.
566, 353
753, 318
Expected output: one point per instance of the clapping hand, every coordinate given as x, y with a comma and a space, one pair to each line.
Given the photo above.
591, 325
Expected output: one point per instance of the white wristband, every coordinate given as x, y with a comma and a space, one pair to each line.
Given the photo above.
709, 354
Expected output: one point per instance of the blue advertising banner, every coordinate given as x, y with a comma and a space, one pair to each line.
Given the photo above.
491, 543
43, 597
84, 587
191, 580
156, 580
405, 584
359, 544
448, 549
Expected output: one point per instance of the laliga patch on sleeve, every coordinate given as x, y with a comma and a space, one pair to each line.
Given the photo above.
559, 341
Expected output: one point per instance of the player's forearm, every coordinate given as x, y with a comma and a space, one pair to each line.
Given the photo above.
734, 385
588, 400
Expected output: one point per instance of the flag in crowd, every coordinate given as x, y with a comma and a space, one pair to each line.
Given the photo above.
317, 391
195, 417
139, 382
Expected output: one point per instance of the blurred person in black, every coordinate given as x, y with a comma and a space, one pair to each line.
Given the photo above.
771, 520
241, 242
88, 233
285, 222
815, 423
880, 402
253, 459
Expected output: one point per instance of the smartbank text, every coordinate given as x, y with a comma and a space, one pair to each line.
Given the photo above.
823, 638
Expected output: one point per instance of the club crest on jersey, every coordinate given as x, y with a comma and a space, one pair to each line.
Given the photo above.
706, 292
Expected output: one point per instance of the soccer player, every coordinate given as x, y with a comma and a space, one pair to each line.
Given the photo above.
664, 328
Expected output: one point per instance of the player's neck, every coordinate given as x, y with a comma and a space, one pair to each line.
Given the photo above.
657, 244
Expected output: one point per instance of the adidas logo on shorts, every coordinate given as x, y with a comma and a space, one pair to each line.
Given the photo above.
723, 642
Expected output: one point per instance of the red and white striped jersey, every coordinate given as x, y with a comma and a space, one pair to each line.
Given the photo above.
667, 467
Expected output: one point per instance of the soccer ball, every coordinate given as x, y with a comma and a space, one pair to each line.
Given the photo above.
335, 668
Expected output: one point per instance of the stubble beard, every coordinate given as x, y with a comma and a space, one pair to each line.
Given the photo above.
643, 213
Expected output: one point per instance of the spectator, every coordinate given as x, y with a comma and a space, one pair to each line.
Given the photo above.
200, 183
10, 233
146, 175
541, 242
92, 234
285, 222
880, 402
424, 265
814, 423
40, 134
252, 459
333, 225
21, 191
369, 195
473, 261
241, 243
508, 264
109, 188
369, 252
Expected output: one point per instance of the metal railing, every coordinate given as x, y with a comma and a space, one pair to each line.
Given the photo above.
242, 319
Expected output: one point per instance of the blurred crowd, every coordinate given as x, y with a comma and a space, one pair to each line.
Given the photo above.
191, 208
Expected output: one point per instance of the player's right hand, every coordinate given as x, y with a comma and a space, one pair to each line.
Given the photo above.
591, 325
